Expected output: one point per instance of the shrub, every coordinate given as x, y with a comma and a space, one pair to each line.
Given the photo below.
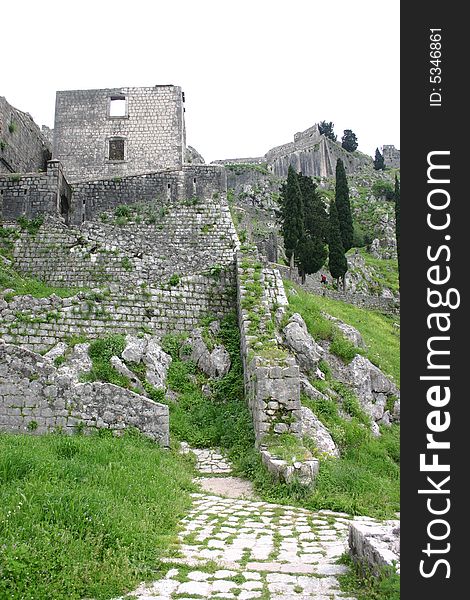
383, 188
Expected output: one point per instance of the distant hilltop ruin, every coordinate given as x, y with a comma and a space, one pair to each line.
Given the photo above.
315, 155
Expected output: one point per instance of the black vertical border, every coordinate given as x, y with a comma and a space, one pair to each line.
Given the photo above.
425, 129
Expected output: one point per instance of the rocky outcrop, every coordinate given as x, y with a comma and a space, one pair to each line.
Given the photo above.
306, 350
376, 545
349, 332
313, 428
148, 351
373, 389
193, 157
215, 363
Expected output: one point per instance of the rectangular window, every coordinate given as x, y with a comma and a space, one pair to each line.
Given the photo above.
116, 149
117, 106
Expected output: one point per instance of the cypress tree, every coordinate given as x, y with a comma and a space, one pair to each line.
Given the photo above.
311, 254
349, 140
315, 215
338, 264
292, 214
344, 207
379, 161
397, 220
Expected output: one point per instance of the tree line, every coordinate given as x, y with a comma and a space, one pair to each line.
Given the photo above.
311, 233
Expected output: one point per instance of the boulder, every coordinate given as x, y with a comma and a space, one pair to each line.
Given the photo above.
157, 362
297, 338
313, 428
349, 332
77, 363
134, 350
214, 364
58, 350
124, 370
370, 385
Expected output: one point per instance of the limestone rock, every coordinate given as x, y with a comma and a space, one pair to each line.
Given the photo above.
134, 350
297, 338
77, 363
148, 351
309, 390
349, 332
58, 350
157, 362
367, 381
312, 427
377, 545
124, 370
215, 364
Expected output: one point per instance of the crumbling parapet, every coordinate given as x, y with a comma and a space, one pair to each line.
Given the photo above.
271, 375
36, 398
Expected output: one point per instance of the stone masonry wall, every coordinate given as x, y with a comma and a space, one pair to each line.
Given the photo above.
166, 240
272, 379
91, 198
312, 284
23, 148
36, 398
152, 130
33, 194
39, 323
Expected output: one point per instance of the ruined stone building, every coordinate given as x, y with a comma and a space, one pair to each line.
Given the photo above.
119, 132
109, 146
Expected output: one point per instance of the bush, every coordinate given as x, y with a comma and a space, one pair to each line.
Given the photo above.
383, 189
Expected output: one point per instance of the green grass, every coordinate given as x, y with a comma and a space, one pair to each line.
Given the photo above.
86, 516
364, 585
10, 279
101, 351
378, 331
365, 480
386, 271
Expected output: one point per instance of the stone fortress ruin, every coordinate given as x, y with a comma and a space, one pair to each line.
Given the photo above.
112, 200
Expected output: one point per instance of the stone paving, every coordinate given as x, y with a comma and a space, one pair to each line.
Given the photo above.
208, 460
238, 548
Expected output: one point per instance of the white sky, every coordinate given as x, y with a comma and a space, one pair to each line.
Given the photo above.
254, 71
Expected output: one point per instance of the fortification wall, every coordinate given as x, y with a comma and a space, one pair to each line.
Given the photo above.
152, 128
39, 323
149, 246
272, 379
315, 157
23, 148
36, 398
32, 194
312, 284
391, 157
90, 198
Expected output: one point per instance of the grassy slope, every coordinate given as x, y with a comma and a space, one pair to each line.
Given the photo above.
380, 334
86, 516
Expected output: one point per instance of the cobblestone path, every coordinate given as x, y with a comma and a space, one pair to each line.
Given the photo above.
239, 548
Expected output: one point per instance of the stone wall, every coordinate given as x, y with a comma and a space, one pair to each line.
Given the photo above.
272, 379
315, 156
32, 194
312, 284
91, 198
23, 148
152, 129
180, 238
39, 323
36, 398
310, 153
391, 157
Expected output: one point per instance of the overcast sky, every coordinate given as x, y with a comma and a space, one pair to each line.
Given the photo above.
254, 71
